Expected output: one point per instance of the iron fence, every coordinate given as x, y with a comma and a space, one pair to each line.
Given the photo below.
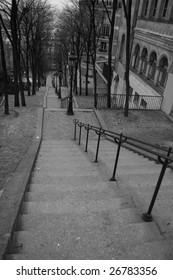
64, 102
136, 102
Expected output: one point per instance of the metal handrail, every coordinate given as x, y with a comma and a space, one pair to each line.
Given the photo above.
164, 159
113, 135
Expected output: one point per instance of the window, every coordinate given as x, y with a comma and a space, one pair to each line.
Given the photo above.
165, 8
153, 61
146, 7
109, 2
154, 8
144, 59
163, 66
103, 47
137, 58
105, 30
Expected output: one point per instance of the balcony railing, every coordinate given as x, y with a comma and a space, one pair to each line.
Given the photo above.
136, 102
64, 102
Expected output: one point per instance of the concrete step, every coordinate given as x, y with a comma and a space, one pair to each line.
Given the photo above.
155, 250
77, 194
144, 180
40, 176
84, 241
55, 163
32, 222
66, 182
64, 206
139, 169
109, 148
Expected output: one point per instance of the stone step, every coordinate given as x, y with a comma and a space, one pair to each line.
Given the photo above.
155, 250
144, 180
68, 181
139, 169
108, 148
40, 176
66, 206
81, 194
111, 154
66, 185
32, 222
78, 164
84, 241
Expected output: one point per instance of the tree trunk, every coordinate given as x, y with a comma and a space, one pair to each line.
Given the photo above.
127, 10
86, 75
80, 78
4, 73
15, 50
111, 36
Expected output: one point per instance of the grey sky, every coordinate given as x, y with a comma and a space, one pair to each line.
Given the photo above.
59, 3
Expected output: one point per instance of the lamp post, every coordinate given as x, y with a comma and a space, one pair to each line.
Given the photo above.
56, 75
72, 63
60, 77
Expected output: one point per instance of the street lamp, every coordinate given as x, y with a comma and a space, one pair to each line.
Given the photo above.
72, 63
56, 75
60, 77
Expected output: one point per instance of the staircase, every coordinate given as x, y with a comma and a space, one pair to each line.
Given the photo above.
72, 211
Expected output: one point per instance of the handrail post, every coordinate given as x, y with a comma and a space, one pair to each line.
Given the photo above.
80, 126
75, 121
117, 157
86, 145
147, 216
98, 143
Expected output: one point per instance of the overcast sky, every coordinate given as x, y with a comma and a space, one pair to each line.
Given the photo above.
59, 3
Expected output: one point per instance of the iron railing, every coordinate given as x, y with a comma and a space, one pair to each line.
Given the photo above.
136, 102
164, 156
2, 100
64, 102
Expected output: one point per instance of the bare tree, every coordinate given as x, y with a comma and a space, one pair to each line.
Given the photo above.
111, 36
11, 22
37, 33
5, 82
127, 5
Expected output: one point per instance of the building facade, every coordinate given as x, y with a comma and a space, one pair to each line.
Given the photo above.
151, 65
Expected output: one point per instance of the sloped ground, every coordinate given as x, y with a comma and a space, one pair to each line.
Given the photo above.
16, 133
148, 126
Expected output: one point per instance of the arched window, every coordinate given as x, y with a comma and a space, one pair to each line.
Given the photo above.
153, 62
144, 57
122, 47
136, 54
163, 66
